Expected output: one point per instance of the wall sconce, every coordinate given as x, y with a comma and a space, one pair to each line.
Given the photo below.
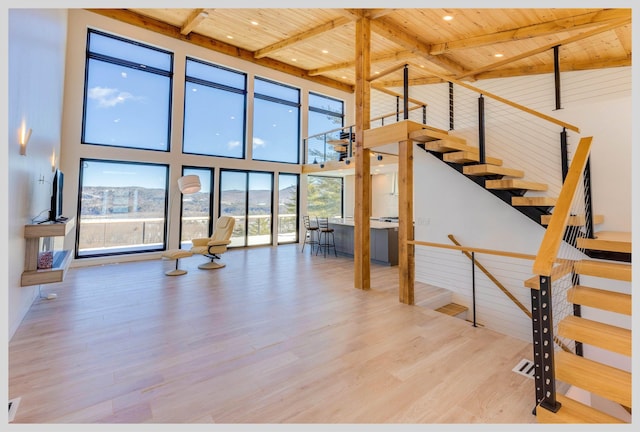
23, 139
53, 160
379, 157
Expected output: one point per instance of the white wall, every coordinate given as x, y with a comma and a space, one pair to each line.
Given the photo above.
37, 42
448, 203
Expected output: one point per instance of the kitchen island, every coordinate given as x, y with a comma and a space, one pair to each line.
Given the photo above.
383, 239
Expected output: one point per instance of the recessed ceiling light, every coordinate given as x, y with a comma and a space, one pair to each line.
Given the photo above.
498, 55
377, 72
447, 17
229, 37
344, 77
294, 60
254, 22
325, 52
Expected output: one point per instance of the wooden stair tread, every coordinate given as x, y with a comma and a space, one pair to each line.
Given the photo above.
556, 273
606, 381
604, 269
533, 201
612, 241
515, 184
601, 335
445, 146
338, 142
452, 309
488, 169
462, 157
575, 220
429, 133
573, 411
602, 299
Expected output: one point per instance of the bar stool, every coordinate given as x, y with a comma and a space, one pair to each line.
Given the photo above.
323, 237
310, 229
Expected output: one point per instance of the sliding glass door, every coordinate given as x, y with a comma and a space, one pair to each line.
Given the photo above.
248, 197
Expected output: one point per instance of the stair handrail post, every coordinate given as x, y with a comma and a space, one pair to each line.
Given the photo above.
324, 154
451, 107
481, 134
473, 286
397, 108
564, 153
405, 91
424, 114
588, 201
543, 346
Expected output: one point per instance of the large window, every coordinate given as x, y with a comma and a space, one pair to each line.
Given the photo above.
197, 208
127, 101
287, 208
324, 196
122, 207
248, 197
276, 122
325, 114
214, 110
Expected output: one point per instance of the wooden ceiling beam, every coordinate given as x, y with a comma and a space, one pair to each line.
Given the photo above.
399, 55
311, 33
398, 35
565, 24
168, 30
195, 18
385, 72
374, 14
584, 35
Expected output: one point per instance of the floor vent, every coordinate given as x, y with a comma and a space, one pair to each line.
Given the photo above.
13, 407
526, 368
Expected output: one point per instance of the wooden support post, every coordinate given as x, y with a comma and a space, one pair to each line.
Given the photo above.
362, 210
406, 251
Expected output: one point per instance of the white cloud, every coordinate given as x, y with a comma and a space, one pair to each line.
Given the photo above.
259, 142
233, 144
108, 97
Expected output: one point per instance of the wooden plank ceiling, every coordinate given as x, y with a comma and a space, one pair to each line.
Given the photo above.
475, 44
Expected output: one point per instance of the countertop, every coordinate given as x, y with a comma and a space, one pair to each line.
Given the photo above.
374, 224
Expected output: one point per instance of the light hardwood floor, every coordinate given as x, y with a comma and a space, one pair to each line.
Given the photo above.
277, 336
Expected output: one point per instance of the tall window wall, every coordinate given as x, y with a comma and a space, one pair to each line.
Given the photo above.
124, 205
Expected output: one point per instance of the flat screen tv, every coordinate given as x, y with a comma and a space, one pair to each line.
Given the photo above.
55, 212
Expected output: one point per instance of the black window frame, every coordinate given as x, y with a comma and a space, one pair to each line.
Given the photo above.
217, 86
79, 207
297, 105
126, 63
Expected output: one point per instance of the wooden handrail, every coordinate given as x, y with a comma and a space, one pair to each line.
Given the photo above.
548, 251
473, 249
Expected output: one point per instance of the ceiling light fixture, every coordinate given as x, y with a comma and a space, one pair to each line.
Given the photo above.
229, 37
325, 52
498, 55
255, 23
447, 17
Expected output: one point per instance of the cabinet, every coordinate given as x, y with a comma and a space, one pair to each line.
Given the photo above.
35, 235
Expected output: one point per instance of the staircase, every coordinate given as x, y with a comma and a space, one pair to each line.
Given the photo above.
609, 258
508, 184
592, 376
